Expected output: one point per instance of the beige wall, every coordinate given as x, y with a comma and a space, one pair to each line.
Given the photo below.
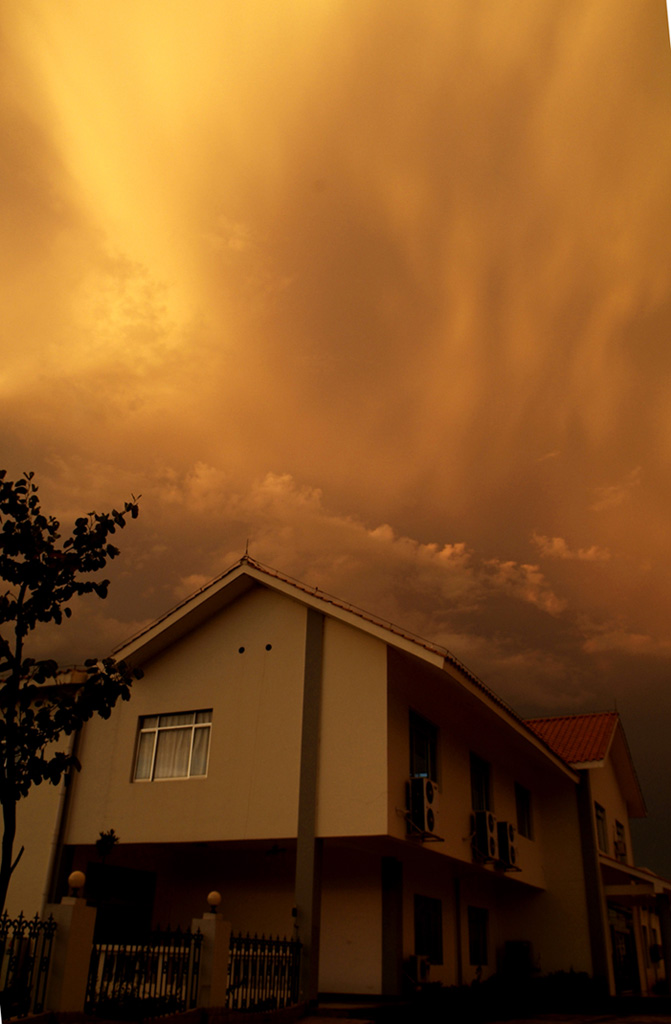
353, 742
251, 789
351, 927
37, 820
606, 791
37, 823
544, 901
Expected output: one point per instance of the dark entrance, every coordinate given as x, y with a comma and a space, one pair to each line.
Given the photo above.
125, 901
625, 961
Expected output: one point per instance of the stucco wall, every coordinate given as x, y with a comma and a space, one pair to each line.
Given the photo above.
606, 791
544, 901
256, 699
351, 959
37, 821
353, 740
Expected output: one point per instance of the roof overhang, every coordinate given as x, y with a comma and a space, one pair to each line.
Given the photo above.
629, 884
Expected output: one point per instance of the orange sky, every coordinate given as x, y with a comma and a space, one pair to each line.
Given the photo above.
384, 289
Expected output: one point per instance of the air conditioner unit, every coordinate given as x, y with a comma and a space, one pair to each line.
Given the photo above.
423, 804
485, 835
507, 847
418, 969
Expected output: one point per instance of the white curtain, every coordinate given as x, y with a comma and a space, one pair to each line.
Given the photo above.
172, 753
201, 742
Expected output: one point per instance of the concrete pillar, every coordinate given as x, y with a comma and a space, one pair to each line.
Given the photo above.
308, 845
70, 955
214, 954
392, 926
602, 969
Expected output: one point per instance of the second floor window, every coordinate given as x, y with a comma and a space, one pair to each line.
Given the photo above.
480, 784
601, 828
173, 746
429, 928
523, 807
620, 842
423, 748
478, 927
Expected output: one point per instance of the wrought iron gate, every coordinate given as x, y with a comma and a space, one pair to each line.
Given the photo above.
25, 955
263, 973
146, 979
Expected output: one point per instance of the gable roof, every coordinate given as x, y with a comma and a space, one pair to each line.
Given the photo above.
247, 574
578, 739
588, 741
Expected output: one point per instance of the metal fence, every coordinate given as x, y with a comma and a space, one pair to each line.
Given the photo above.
25, 955
132, 981
263, 973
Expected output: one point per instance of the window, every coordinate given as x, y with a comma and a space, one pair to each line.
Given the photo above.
429, 928
423, 748
601, 830
523, 805
173, 746
480, 784
478, 925
620, 842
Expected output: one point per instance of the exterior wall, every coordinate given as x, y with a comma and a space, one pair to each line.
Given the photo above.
352, 776
606, 791
351, 924
37, 822
544, 901
251, 787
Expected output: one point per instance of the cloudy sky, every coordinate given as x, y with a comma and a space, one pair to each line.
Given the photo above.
383, 289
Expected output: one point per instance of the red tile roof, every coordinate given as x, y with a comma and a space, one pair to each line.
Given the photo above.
577, 738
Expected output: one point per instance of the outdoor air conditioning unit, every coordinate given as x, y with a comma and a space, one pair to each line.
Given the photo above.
418, 969
423, 804
485, 835
507, 847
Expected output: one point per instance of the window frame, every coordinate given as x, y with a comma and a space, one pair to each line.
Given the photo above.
524, 811
162, 728
478, 936
601, 822
481, 783
428, 923
423, 732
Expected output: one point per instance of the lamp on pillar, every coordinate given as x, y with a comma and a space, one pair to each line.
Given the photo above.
213, 901
76, 881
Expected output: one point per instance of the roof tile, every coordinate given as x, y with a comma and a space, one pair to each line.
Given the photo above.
577, 738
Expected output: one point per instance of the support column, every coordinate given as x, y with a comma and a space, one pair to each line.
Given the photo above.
71, 954
309, 846
601, 967
214, 954
392, 926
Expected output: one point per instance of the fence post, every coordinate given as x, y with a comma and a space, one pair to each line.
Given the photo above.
214, 952
71, 953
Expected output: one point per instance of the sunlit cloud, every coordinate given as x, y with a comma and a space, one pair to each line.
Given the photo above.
556, 547
527, 583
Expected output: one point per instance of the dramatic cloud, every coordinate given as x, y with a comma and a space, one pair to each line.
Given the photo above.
556, 547
380, 291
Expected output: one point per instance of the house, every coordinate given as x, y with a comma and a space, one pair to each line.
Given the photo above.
629, 906
333, 775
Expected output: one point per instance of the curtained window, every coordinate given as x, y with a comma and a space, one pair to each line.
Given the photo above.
173, 746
